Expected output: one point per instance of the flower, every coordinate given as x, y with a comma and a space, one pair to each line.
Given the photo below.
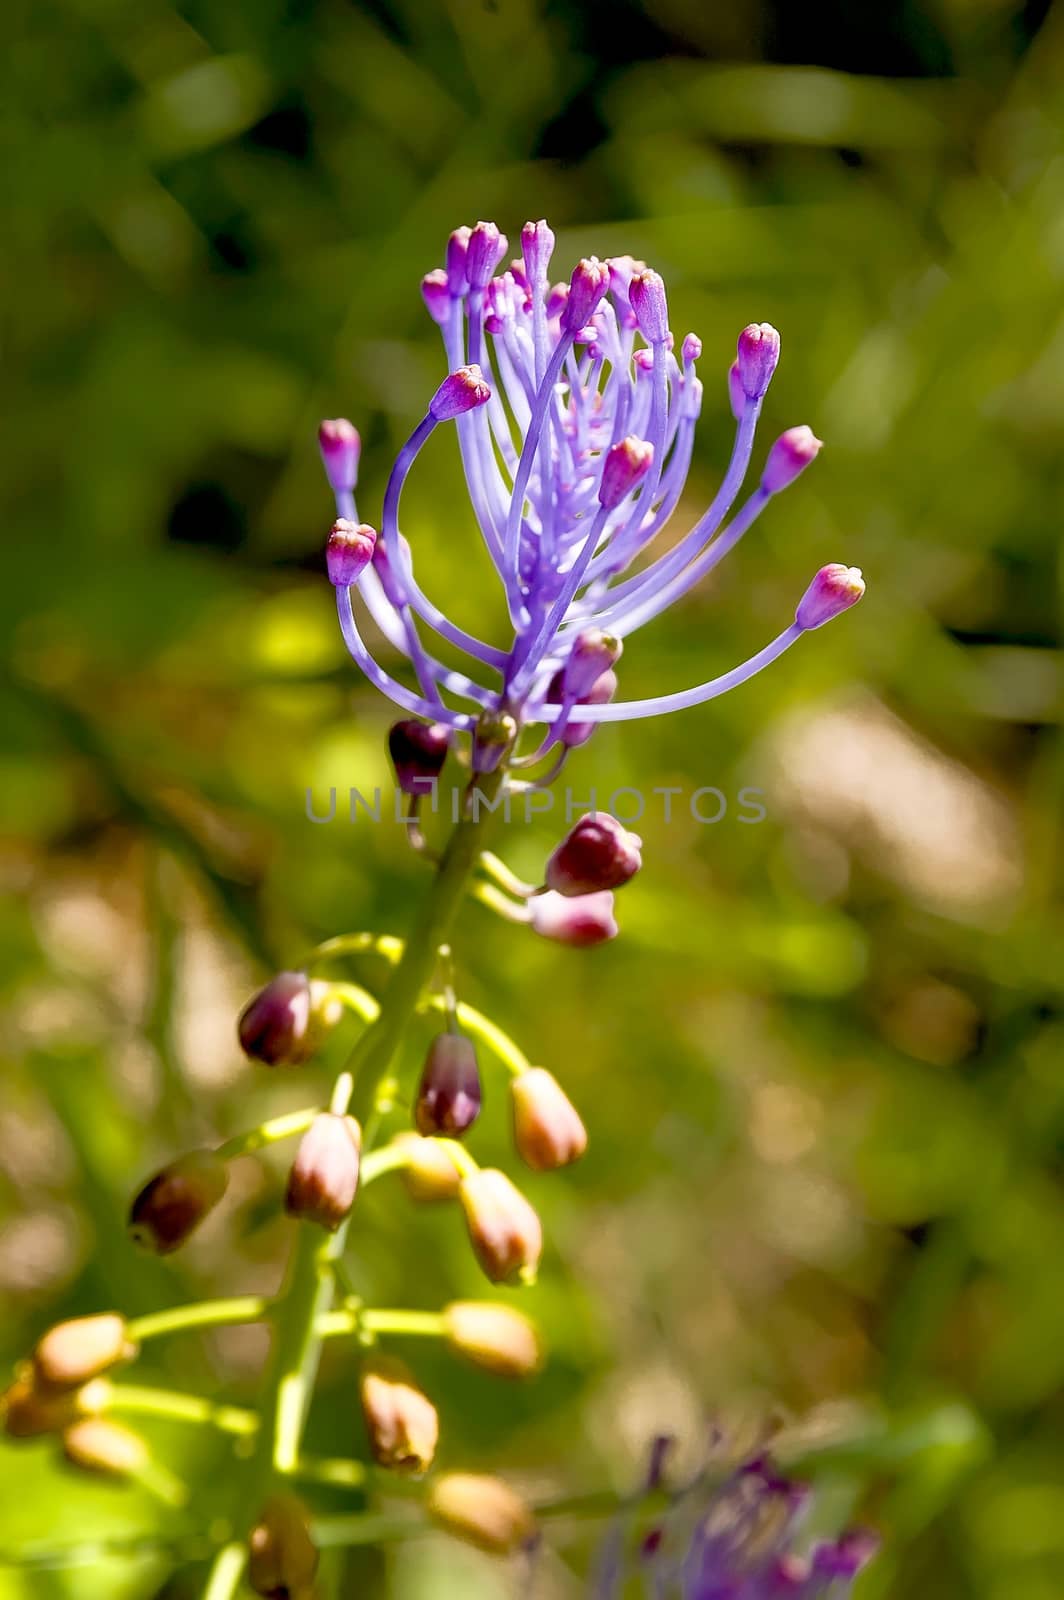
548, 1131
282, 1559
492, 1336
448, 1096
173, 1203
73, 1352
579, 919
401, 1421
597, 853
575, 421
483, 1510
736, 1539
323, 1180
505, 1232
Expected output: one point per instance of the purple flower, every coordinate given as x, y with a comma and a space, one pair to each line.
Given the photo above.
733, 1540
575, 422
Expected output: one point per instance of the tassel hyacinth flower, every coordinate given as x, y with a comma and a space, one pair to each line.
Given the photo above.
576, 417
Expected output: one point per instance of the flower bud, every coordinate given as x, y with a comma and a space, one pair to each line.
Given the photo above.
463, 391
759, 352
97, 1444
537, 247
597, 853
557, 300
843, 1558
428, 1171
401, 1421
487, 246
790, 455
418, 751
588, 284
495, 731
274, 1025
482, 1510
591, 657
340, 447
691, 348
601, 691
834, 589
579, 920
323, 1181
626, 464
504, 1230
436, 295
499, 1339
28, 1409
736, 392
457, 249
349, 551
173, 1203
282, 1560
73, 1352
548, 1131
646, 294
448, 1096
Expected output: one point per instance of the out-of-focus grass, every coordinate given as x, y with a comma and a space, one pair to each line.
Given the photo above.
822, 1067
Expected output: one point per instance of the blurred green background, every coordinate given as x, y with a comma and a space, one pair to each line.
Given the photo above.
822, 1066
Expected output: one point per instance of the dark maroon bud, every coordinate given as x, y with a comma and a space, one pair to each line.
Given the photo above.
176, 1200
282, 1558
448, 1097
323, 1181
418, 751
596, 853
273, 1027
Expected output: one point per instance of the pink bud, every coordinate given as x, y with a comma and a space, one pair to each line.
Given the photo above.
463, 391
602, 690
834, 589
643, 362
457, 247
759, 352
597, 853
323, 1180
349, 551
436, 295
790, 455
592, 655
588, 284
736, 392
340, 448
557, 300
487, 246
548, 1131
626, 464
537, 247
646, 292
692, 348
581, 920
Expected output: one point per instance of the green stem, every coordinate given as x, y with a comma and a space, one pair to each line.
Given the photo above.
357, 944
201, 1314
242, 1144
227, 1571
428, 1324
194, 1408
311, 1285
388, 1159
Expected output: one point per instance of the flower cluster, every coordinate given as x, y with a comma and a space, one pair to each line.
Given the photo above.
727, 1535
575, 413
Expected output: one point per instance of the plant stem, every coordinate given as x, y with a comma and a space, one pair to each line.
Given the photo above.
242, 1144
200, 1314
308, 1296
428, 1324
134, 1397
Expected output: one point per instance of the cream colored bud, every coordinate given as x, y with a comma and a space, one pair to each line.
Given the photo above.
492, 1336
482, 1510
428, 1172
548, 1131
504, 1230
99, 1445
73, 1352
401, 1421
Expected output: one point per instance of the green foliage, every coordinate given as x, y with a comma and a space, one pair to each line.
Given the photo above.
821, 1067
